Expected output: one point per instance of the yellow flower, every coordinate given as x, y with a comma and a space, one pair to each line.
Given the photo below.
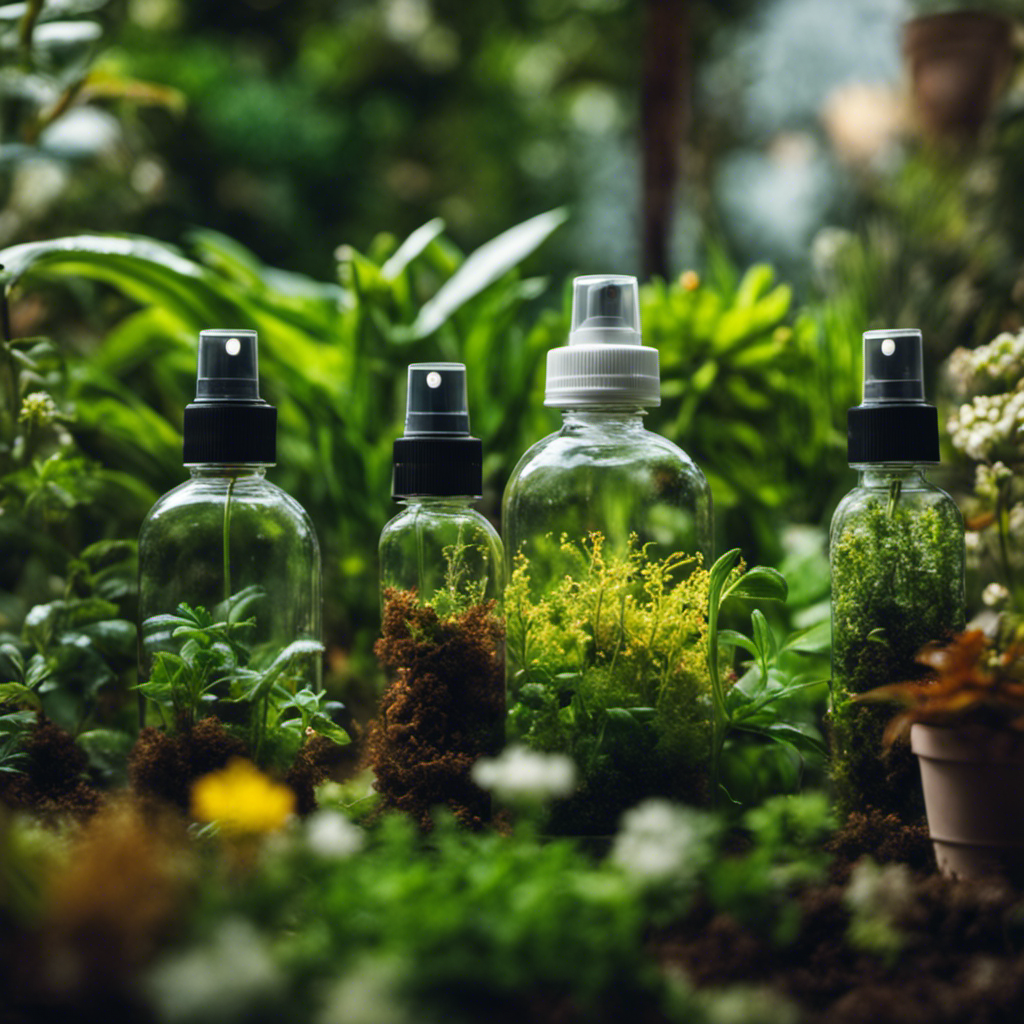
242, 799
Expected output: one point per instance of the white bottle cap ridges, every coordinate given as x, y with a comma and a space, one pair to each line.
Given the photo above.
605, 362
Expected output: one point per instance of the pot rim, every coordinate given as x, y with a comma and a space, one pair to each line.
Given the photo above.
971, 742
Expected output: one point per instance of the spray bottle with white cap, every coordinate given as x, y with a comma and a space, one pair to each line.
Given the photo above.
227, 540
602, 490
897, 557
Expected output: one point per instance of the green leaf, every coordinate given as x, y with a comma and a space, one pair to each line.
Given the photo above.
760, 583
19, 693
323, 725
765, 639
816, 639
483, 267
412, 247
733, 638
107, 750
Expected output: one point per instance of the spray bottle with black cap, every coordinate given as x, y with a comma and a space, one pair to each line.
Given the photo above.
227, 540
442, 643
897, 558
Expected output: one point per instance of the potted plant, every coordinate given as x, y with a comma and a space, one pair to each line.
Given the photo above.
966, 725
959, 57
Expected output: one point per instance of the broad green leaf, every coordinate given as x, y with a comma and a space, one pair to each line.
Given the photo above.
733, 638
19, 693
323, 725
815, 639
412, 247
483, 267
761, 583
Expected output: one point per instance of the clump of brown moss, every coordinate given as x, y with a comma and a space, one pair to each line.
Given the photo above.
165, 766
313, 764
52, 783
444, 708
883, 837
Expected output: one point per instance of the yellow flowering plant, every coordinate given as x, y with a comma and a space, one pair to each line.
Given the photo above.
242, 800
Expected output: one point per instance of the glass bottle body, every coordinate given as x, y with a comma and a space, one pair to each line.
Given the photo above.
897, 564
442, 647
602, 522
231, 542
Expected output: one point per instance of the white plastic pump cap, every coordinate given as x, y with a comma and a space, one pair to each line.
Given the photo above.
605, 362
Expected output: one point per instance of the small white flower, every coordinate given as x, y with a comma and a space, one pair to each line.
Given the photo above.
880, 890
219, 981
331, 835
523, 774
660, 840
994, 595
368, 994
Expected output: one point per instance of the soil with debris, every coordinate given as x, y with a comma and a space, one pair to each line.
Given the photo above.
164, 766
444, 708
962, 961
52, 783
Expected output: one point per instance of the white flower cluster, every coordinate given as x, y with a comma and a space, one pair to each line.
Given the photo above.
995, 366
989, 424
38, 409
523, 775
660, 840
329, 834
879, 890
994, 595
987, 480
219, 981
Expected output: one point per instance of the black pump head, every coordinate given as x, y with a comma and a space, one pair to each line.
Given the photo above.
437, 457
228, 423
894, 423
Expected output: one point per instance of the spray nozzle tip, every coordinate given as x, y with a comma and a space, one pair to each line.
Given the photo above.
605, 310
893, 366
228, 366
437, 401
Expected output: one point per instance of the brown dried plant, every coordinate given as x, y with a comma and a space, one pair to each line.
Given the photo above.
971, 680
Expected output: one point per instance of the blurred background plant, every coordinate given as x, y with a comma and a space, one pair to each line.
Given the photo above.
294, 135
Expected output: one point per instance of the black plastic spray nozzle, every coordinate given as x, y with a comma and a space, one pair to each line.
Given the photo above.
228, 367
228, 423
893, 366
437, 403
436, 456
894, 423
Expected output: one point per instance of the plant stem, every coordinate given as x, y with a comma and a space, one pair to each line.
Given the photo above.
1003, 519
227, 540
895, 487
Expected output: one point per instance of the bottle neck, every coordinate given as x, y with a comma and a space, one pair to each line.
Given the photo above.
883, 475
214, 470
617, 417
438, 503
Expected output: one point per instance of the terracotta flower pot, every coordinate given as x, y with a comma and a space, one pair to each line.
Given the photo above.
959, 63
973, 779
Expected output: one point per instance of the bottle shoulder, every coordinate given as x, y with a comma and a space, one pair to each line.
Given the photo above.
461, 521
570, 450
202, 499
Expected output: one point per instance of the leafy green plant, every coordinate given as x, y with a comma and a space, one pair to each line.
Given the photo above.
754, 704
333, 358
608, 667
215, 665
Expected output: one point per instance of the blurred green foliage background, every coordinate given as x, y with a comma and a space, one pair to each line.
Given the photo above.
373, 182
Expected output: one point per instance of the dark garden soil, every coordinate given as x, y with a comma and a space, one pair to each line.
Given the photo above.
52, 783
444, 708
962, 960
164, 766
